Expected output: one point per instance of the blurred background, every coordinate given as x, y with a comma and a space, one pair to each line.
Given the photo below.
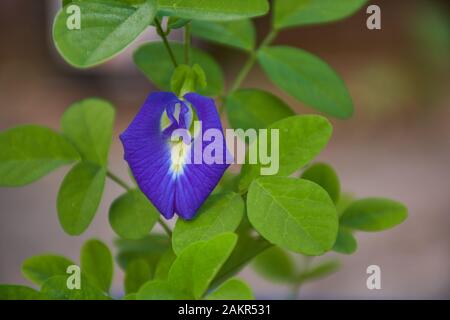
397, 145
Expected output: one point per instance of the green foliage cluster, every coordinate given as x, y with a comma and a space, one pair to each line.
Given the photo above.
267, 220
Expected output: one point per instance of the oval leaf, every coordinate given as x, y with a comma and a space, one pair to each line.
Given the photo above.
295, 214
79, 197
132, 216
233, 289
308, 79
219, 214
161, 290
240, 34
325, 176
301, 138
292, 13
275, 264
16, 292
345, 242
253, 108
56, 288
106, 28
192, 273
40, 268
152, 59
30, 152
138, 272
374, 214
97, 264
213, 9
88, 124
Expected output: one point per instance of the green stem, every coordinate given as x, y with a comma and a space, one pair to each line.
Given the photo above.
117, 180
166, 228
244, 72
251, 61
187, 44
166, 42
296, 287
124, 185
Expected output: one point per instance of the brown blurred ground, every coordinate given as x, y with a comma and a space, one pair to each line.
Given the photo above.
397, 145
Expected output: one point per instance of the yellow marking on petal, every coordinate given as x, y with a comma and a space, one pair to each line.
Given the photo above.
179, 152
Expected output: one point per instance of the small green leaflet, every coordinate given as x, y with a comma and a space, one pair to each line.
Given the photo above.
308, 79
79, 197
325, 176
213, 9
220, 213
296, 214
30, 152
374, 214
106, 28
137, 273
55, 288
191, 273
88, 124
301, 138
42, 267
254, 108
294, 13
233, 289
240, 34
16, 292
275, 264
132, 216
345, 242
97, 264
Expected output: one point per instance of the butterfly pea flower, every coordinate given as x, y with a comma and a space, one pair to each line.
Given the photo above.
164, 168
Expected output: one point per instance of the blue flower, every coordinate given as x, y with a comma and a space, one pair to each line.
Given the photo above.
165, 170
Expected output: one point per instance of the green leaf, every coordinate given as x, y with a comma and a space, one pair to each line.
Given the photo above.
88, 124
248, 246
308, 79
219, 214
164, 264
293, 13
325, 176
79, 197
320, 271
275, 264
132, 216
56, 288
97, 264
213, 9
295, 214
233, 289
107, 27
345, 242
152, 59
197, 265
240, 34
344, 201
177, 23
131, 296
30, 152
16, 292
161, 290
149, 248
138, 272
301, 138
374, 214
40, 268
253, 108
